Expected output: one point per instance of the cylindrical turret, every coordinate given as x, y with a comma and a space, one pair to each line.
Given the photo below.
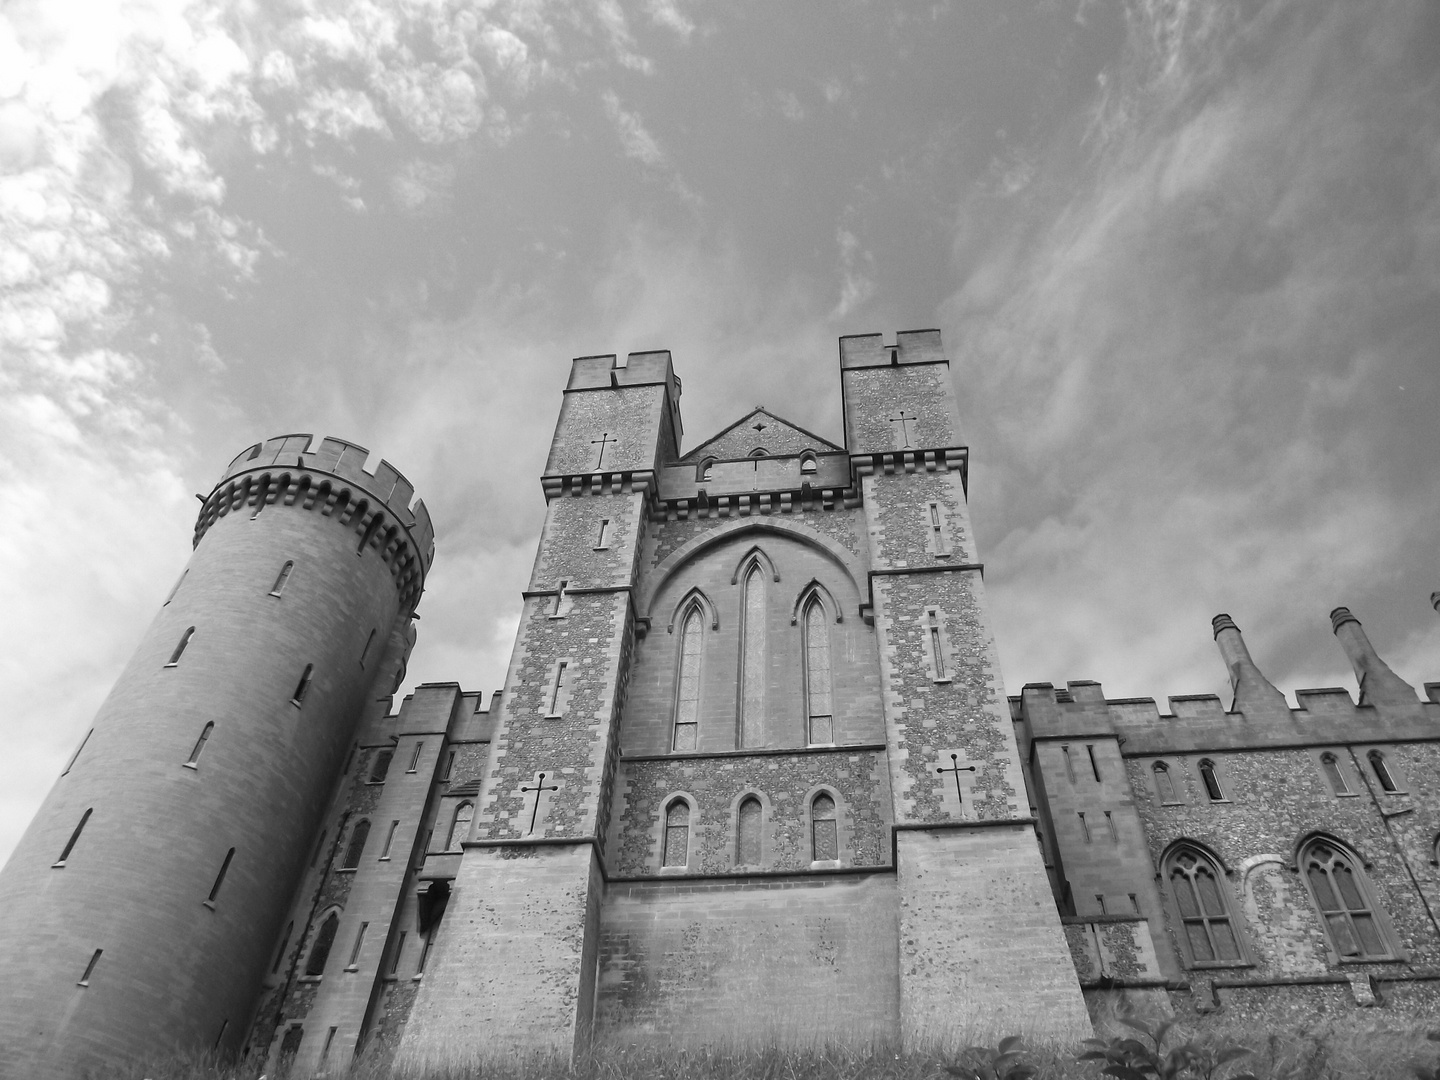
143, 901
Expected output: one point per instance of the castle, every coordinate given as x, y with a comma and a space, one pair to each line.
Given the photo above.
753, 777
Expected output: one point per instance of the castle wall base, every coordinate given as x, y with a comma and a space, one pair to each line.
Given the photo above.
761, 962
513, 968
982, 953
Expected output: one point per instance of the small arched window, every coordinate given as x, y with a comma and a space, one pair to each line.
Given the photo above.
180, 648
824, 838
1382, 771
1331, 766
200, 744
381, 768
1211, 781
818, 706
747, 828
324, 939
1164, 782
677, 834
759, 452
808, 466
1204, 905
1343, 896
460, 825
687, 682
358, 837
282, 578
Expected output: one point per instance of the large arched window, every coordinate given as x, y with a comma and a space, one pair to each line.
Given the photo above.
824, 838
677, 834
752, 657
1331, 765
357, 845
818, 699
1203, 902
1343, 896
747, 829
1164, 782
687, 681
324, 939
460, 825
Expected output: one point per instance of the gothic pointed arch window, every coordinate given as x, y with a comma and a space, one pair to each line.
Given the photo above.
1337, 883
677, 834
1202, 900
819, 708
324, 941
753, 654
460, 825
1382, 772
687, 680
1330, 764
824, 832
1211, 779
1164, 782
748, 822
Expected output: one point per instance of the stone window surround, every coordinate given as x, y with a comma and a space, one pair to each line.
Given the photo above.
1224, 876
657, 835
734, 835
1342, 759
1361, 866
842, 829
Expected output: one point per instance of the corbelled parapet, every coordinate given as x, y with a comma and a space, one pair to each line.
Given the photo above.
1378, 684
330, 477
1255, 695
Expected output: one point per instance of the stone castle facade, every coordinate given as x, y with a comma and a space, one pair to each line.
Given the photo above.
753, 778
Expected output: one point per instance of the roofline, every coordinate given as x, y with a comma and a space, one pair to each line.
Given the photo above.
773, 416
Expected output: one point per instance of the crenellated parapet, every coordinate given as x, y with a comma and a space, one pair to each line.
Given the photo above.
330, 478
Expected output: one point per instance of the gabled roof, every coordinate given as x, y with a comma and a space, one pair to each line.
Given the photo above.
761, 429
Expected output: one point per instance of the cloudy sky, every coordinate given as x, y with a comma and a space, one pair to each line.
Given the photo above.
1185, 255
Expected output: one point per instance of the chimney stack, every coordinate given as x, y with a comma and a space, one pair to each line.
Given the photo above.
1378, 684
1255, 695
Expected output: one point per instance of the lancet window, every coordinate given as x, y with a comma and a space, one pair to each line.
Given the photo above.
687, 688
824, 835
358, 837
753, 657
324, 941
460, 825
1164, 782
747, 828
818, 684
677, 834
1331, 766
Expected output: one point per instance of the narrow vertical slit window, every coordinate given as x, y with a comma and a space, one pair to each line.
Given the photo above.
358, 837
303, 686
1211, 781
753, 657
194, 758
180, 648
559, 608
325, 1050
1069, 764
176, 587
224, 1027
389, 839
556, 687
1110, 824
937, 534
220, 877
424, 951
365, 652
747, 828
1100, 902
324, 941
449, 767
818, 691
74, 837
399, 951
1331, 766
359, 944
281, 579
1084, 826
1382, 772
284, 944
76, 756
602, 540
677, 834
1134, 903
1164, 782
687, 690
937, 644
1094, 765
824, 836
460, 825
415, 756
90, 968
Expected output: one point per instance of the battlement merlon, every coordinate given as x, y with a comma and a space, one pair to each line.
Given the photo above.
899, 399
617, 422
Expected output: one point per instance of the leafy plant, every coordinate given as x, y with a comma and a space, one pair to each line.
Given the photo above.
1426, 1072
1002, 1063
1128, 1058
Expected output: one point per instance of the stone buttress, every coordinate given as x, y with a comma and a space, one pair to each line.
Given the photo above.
981, 947
513, 965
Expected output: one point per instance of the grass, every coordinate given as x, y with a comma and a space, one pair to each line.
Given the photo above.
1359, 1049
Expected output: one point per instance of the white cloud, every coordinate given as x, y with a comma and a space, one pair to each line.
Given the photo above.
636, 140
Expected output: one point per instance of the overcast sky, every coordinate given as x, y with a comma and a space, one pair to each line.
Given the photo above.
1186, 258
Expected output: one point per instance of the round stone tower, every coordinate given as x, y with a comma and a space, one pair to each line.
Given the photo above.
143, 901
